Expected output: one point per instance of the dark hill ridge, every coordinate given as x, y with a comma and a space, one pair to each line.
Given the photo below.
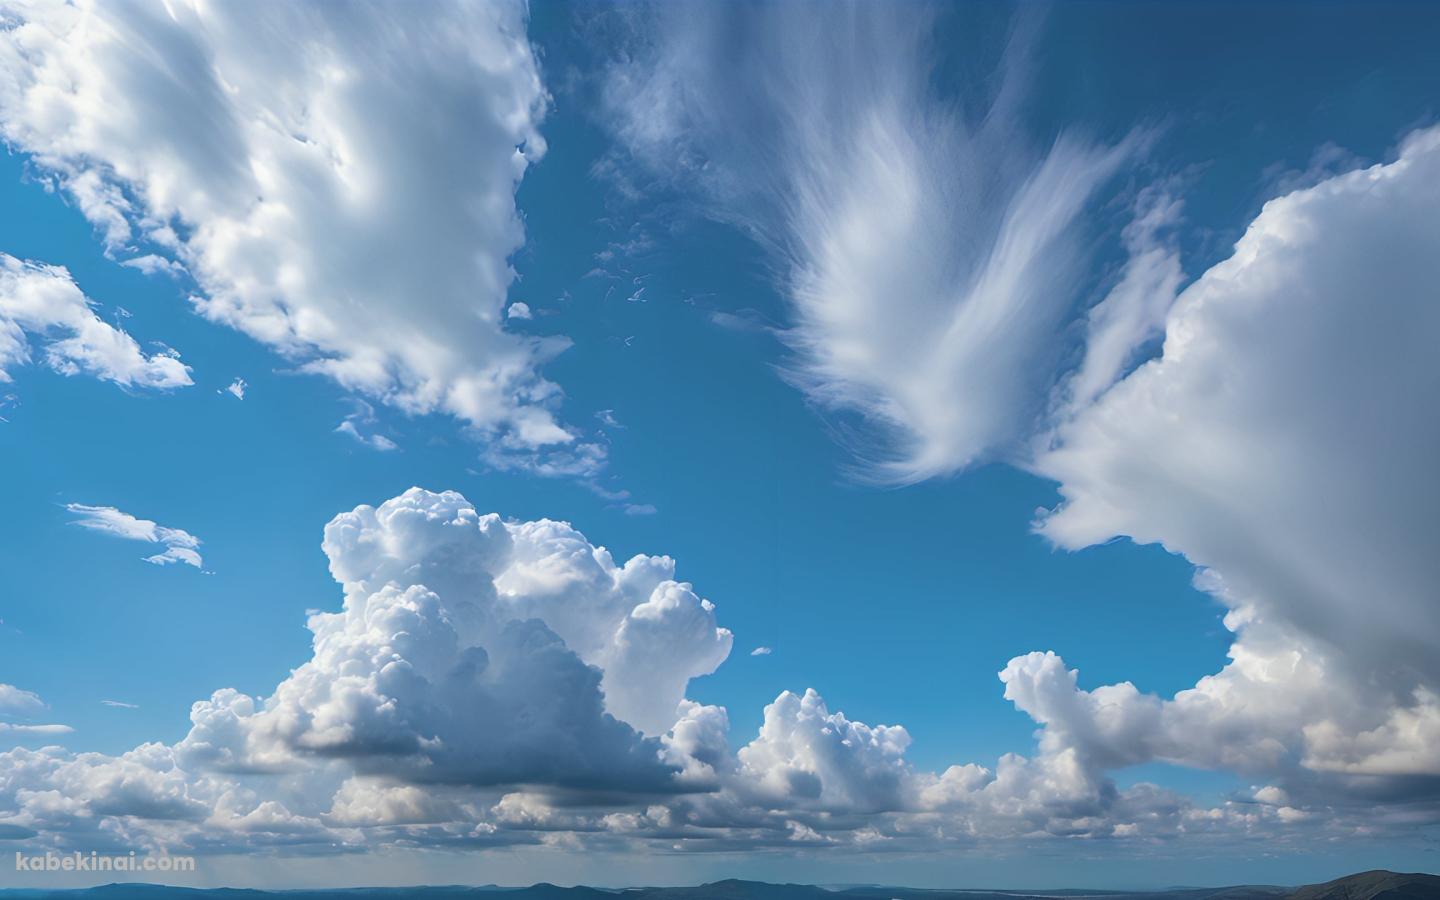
1377, 885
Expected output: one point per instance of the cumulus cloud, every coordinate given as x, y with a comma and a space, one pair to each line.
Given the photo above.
235, 389
1283, 441
519, 310
475, 651
180, 545
338, 179
483, 678
929, 242
806, 753
488, 683
41, 305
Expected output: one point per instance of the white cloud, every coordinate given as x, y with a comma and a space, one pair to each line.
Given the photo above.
41, 730
40, 303
931, 254
762, 651
492, 683
338, 179
235, 389
180, 546
1282, 441
519, 310
25, 705
16, 702
805, 755
119, 704
475, 651
360, 426
153, 264
1134, 310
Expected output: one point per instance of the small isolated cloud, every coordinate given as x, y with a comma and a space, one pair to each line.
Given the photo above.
761, 651
15, 702
180, 546
640, 509
519, 310
8, 728
151, 264
607, 418
41, 308
236, 389
119, 704
360, 425
20, 704
745, 320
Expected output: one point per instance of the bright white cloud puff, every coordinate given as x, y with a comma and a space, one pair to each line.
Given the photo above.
399, 139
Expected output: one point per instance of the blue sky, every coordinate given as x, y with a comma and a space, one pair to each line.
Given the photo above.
886, 531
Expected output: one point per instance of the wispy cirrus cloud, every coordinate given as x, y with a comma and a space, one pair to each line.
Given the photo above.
929, 245
180, 546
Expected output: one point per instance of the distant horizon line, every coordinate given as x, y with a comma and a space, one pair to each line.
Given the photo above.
1053, 892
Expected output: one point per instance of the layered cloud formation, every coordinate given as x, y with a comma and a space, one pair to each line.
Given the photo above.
337, 178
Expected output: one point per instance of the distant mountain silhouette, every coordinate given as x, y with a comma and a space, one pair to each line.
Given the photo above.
1377, 885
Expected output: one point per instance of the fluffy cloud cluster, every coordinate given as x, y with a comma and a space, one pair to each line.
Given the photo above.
40, 303
337, 178
485, 680
491, 683
930, 252
479, 652
180, 546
